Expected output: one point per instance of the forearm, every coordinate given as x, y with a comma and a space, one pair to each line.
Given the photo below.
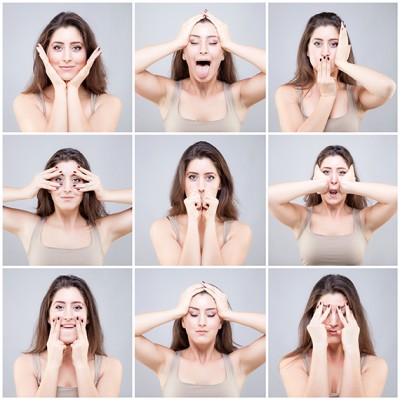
58, 121
151, 54
77, 122
148, 321
284, 193
116, 196
211, 254
251, 54
351, 378
48, 383
380, 192
190, 254
84, 379
318, 119
318, 384
14, 194
252, 320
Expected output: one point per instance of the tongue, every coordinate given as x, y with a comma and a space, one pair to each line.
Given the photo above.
202, 71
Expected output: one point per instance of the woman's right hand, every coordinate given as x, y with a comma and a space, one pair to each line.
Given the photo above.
316, 328
322, 180
55, 347
186, 29
186, 297
42, 180
326, 83
193, 205
50, 71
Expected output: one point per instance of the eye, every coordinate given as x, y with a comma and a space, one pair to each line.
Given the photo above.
194, 42
210, 177
58, 179
325, 171
56, 47
76, 180
77, 48
58, 307
334, 44
213, 43
211, 315
342, 172
317, 43
192, 177
194, 314
78, 308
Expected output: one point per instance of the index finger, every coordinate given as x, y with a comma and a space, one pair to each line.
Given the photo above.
57, 329
78, 325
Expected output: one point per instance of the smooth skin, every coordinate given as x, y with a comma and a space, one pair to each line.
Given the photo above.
202, 99
204, 361
332, 217
67, 363
328, 52
68, 105
201, 233
335, 357
66, 228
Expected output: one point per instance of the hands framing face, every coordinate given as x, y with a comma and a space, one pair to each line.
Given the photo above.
324, 179
201, 205
91, 182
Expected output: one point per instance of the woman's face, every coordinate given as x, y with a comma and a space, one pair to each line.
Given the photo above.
333, 324
201, 176
203, 53
68, 304
67, 52
67, 197
334, 168
323, 43
202, 321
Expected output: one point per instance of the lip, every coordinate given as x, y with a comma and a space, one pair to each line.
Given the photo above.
333, 332
68, 326
67, 67
201, 332
67, 197
333, 193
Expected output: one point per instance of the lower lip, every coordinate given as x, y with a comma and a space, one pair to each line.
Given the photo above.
333, 332
201, 332
67, 68
333, 196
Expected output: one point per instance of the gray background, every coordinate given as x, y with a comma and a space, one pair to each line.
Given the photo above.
292, 158
159, 289
112, 26
110, 157
246, 23
21, 304
372, 29
289, 290
156, 160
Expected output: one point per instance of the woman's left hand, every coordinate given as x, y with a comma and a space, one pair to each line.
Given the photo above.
80, 346
350, 332
222, 29
210, 206
76, 82
220, 298
343, 48
349, 176
93, 182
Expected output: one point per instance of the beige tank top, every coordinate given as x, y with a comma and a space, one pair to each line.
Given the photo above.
39, 254
332, 250
175, 388
67, 391
173, 122
350, 122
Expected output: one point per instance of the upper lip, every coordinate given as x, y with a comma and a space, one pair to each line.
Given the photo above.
203, 60
201, 330
67, 197
67, 66
68, 325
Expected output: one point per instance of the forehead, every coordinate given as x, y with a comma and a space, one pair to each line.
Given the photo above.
201, 165
325, 32
67, 34
67, 167
204, 29
334, 299
334, 162
202, 301
68, 295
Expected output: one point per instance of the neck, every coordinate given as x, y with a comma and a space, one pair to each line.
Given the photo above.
67, 219
203, 354
203, 89
335, 210
335, 352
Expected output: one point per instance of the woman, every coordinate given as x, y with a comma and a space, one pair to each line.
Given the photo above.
71, 226
203, 93
67, 357
335, 356
68, 89
329, 93
202, 226
336, 224
203, 360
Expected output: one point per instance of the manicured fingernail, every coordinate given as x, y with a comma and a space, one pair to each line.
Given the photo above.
74, 172
60, 172
58, 318
53, 320
79, 166
320, 59
328, 58
329, 305
56, 167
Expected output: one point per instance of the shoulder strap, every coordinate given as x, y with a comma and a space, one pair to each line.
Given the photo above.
306, 222
93, 101
96, 240
306, 361
40, 97
228, 368
357, 222
36, 367
227, 229
175, 227
98, 362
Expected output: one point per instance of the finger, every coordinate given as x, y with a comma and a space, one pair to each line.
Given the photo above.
319, 70
51, 175
84, 171
342, 317
96, 53
349, 314
52, 328
84, 332
328, 67
325, 314
57, 328
317, 312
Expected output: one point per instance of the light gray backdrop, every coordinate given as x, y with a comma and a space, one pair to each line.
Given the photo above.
159, 289
156, 160
112, 26
292, 158
159, 23
110, 157
24, 290
289, 290
372, 29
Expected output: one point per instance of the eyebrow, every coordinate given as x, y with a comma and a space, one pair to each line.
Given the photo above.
207, 309
332, 168
210, 36
58, 42
197, 173
64, 302
329, 40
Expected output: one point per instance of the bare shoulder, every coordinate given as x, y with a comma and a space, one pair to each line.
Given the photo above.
375, 363
241, 228
291, 363
161, 225
109, 100
112, 364
286, 93
23, 363
25, 100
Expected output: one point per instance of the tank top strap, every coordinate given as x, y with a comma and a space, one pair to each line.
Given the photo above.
306, 222
96, 241
230, 101
176, 95
357, 223
93, 101
40, 98
227, 229
35, 238
306, 361
230, 375
363, 359
36, 367
98, 362
174, 223
352, 100
173, 369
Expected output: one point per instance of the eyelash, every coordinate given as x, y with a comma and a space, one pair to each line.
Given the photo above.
74, 48
208, 315
194, 177
332, 44
59, 308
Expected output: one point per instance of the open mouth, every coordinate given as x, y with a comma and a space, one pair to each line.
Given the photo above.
203, 68
203, 62
333, 193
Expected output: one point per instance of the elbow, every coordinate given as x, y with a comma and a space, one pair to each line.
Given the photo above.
388, 89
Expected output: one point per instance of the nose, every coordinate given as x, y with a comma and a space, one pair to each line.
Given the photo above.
68, 315
333, 177
67, 186
67, 54
203, 48
333, 318
326, 50
201, 185
202, 320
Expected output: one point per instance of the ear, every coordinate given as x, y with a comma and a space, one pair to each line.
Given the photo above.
183, 55
183, 323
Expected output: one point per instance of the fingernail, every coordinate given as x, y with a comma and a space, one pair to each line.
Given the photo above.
74, 172
79, 166
324, 57
60, 172
328, 58
58, 318
56, 167
53, 320
320, 59
329, 305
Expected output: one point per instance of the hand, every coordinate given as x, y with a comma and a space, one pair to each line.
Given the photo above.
222, 29
93, 183
326, 83
220, 298
350, 332
343, 48
84, 72
348, 177
209, 206
193, 205
50, 71
322, 180
42, 180
55, 347
80, 346
316, 328
185, 298
186, 29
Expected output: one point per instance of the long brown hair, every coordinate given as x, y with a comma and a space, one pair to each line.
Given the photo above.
226, 72
90, 208
223, 342
95, 82
330, 284
93, 327
352, 200
227, 209
304, 76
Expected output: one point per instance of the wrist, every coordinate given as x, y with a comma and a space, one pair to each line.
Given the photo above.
340, 63
102, 194
28, 192
226, 315
81, 365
